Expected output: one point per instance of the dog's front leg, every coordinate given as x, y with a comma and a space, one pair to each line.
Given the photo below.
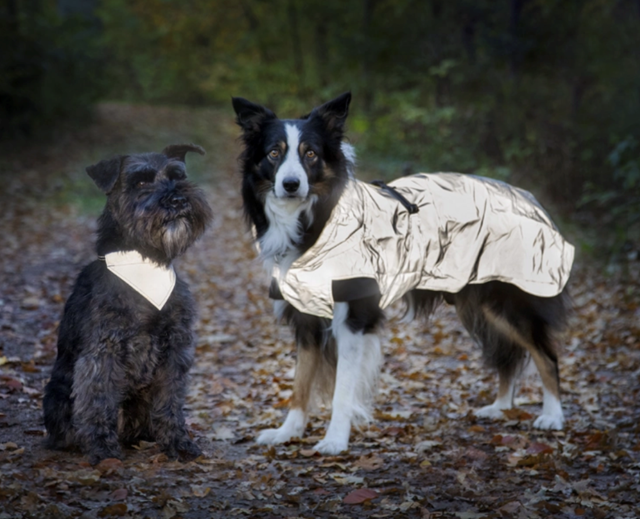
314, 367
97, 392
307, 363
359, 360
168, 391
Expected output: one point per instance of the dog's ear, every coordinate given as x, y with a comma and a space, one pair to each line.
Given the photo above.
178, 151
334, 113
250, 116
105, 173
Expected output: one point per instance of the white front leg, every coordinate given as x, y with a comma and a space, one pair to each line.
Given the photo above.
359, 360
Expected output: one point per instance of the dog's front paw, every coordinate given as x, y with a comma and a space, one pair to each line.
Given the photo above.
279, 435
549, 422
489, 411
97, 455
188, 450
183, 449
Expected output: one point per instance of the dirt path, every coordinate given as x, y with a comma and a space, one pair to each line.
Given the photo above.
424, 456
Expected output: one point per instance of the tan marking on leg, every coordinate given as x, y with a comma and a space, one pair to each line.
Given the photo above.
505, 388
546, 367
307, 367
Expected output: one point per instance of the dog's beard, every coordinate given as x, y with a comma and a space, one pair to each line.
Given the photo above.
166, 230
177, 236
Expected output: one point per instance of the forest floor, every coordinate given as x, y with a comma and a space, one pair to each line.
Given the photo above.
425, 455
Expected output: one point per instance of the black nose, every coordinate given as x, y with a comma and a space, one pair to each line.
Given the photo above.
291, 184
178, 202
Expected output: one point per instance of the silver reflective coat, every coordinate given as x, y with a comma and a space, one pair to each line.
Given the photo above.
468, 230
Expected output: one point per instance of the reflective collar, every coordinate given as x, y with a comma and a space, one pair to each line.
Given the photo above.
154, 282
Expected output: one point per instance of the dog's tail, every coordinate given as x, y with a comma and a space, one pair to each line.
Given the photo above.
511, 325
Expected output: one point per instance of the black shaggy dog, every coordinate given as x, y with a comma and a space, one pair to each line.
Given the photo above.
126, 343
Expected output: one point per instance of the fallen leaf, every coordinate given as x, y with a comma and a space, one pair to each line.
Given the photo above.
359, 496
119, 494
116, 510
539, 448
517, 414
109, 465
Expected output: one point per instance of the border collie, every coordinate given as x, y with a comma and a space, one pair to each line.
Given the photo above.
294, 174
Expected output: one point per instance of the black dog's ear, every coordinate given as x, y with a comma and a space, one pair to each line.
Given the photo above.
250, 115
178, 151
334, 113
105, 173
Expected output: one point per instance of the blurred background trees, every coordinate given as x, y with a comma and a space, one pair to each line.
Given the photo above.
542, 93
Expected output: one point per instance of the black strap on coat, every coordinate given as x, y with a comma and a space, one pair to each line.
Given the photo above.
410, 207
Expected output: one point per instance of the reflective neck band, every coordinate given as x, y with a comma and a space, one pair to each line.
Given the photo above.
154, 282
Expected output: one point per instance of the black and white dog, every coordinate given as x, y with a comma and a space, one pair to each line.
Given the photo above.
294, 175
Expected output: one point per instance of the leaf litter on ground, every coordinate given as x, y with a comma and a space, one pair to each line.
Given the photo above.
425, 454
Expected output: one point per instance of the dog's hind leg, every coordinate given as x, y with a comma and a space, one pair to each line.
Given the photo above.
498, 349
58, 408
358, 369
545, 360
314, 362
504, 400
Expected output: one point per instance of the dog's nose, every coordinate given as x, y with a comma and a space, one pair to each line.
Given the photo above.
178, 202
291, 184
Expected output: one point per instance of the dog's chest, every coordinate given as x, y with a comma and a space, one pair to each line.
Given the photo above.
159, 341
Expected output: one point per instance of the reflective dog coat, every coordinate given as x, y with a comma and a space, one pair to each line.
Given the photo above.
468, 229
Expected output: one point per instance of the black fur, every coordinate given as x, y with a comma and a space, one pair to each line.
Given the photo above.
323, 130
122, 367
537, 318
531, 321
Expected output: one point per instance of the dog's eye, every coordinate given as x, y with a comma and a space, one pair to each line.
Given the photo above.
311, 154
177, 174
141, 183
274, 154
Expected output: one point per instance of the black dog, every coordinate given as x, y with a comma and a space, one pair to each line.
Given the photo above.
124, 357
340, 251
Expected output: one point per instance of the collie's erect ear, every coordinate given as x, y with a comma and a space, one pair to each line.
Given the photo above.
250, 115
334, 113
178, 151
105, 173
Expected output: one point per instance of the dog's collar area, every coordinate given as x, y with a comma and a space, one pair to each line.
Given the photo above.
154, 282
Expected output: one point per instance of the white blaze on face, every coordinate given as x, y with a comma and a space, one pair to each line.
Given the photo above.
291, 171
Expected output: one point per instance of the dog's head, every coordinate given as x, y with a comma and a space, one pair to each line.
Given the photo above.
151, 206
293, 159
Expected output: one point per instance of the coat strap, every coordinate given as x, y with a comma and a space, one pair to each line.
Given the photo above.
411, 208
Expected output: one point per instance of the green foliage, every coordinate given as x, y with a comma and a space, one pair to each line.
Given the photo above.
621, 201
537, 91
49, 68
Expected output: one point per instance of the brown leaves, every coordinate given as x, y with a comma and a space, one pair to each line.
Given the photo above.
423, 455
517, 414
369, 462
360, 496
115, 510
